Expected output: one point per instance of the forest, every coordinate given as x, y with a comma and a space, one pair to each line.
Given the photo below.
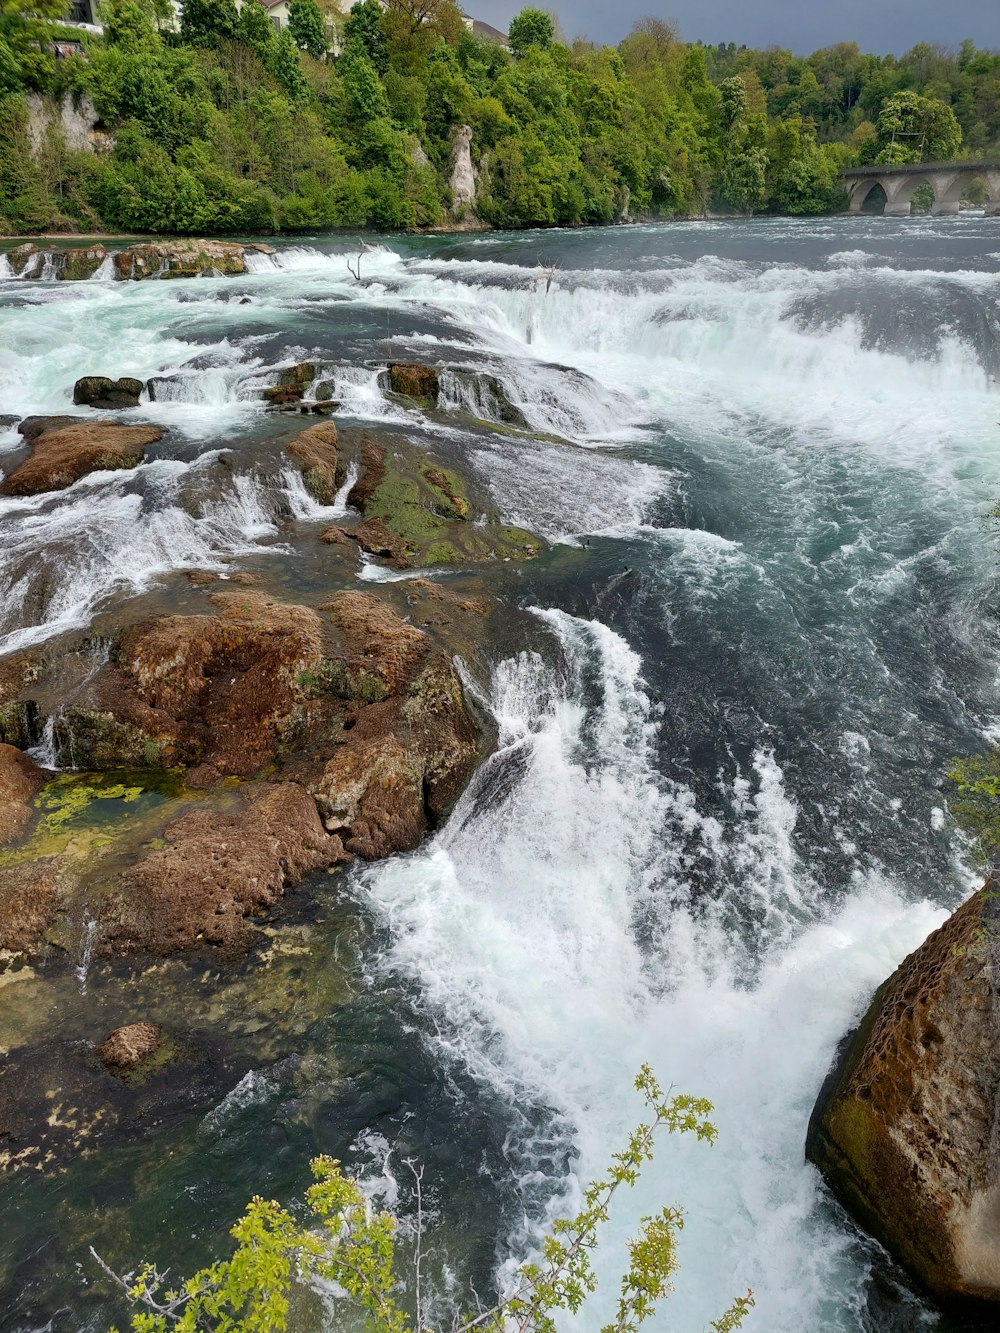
222, 123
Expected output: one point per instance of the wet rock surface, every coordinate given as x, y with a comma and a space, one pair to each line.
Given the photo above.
414, 381
21, 779
102, 392
130, 1047
905, 1128
315, 454
63, 450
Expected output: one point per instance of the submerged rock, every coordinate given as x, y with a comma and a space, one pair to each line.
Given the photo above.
315, 453
102, 392
291, 386
905, 1128
64, 453
129, 1047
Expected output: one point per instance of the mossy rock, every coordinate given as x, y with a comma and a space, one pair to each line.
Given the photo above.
429, 508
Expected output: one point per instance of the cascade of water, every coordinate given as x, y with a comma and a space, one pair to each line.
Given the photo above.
88, 939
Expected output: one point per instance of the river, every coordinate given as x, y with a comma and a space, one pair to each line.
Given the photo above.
716, 819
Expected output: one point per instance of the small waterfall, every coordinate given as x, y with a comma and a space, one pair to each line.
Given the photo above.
339, 506
6, 272
88, 938
46, 752
105, 272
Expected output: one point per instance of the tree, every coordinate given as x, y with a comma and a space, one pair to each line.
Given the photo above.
286, 67
305, 23
912, 128
206, 22
255, 30
364, 25
744, 161
23, 30
350, 1248
532, 27
366, 100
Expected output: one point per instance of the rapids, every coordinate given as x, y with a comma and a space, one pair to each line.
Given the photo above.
714, 822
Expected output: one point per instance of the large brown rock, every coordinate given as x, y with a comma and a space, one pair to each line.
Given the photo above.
63, 455
215, 871
315, 453
184, 258
404, 758
224, 689
20, 781
28, 904
905, 1129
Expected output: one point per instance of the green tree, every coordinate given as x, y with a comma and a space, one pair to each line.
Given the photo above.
206, 22
286, 67
364, 25
744, 161
255, 30
24, 27
351, 1249
305, 23
366, 100
912, 128
532, 27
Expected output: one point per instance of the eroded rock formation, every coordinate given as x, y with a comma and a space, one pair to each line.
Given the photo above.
64, 449
907, 1127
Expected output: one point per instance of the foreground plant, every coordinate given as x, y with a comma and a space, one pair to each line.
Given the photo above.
349, 1244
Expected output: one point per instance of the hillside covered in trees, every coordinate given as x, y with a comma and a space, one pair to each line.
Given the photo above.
224, 123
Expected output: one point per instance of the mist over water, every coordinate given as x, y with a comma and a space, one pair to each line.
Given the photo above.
714, 822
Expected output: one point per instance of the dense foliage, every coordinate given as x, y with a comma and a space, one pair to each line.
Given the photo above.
350, 1248
224, 124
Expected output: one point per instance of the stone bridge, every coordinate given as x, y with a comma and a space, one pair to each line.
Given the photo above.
948, 180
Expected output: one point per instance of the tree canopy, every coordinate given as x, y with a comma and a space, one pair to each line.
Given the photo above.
229, 125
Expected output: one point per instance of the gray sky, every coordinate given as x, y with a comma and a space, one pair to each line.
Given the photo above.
879, 26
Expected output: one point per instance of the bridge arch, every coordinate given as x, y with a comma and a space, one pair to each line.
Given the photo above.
949, 182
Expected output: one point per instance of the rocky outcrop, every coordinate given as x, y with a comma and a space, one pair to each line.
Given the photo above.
225, 689
315, 453
63, 453
292, 384
413, 381
215, 871
422, 513
402, 760
20, 782
463, 177
185, 259
101, 392
906, 1127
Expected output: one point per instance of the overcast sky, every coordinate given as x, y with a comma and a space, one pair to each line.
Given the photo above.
879, 26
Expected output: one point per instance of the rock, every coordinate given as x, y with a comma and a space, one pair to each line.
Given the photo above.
216, 870
129, 1047
184, 259
27, 260
315, 452
79, 265
100, 391
223, 689
426, 508
291, 386
415, 381
28, 904
335, 537
905, 1127
20, 781
374, 537
406, 757
63, 455
463, 176
324, 407
18, 716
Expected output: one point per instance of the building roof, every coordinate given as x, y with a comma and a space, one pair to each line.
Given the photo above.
487, 33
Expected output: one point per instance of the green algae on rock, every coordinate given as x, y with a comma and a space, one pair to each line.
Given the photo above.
428, 507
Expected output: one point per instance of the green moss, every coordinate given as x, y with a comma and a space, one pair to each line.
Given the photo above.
975, 800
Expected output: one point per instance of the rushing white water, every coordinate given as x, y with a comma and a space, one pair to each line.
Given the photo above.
579, 843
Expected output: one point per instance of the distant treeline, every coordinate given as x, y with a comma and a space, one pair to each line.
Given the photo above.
225, 124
